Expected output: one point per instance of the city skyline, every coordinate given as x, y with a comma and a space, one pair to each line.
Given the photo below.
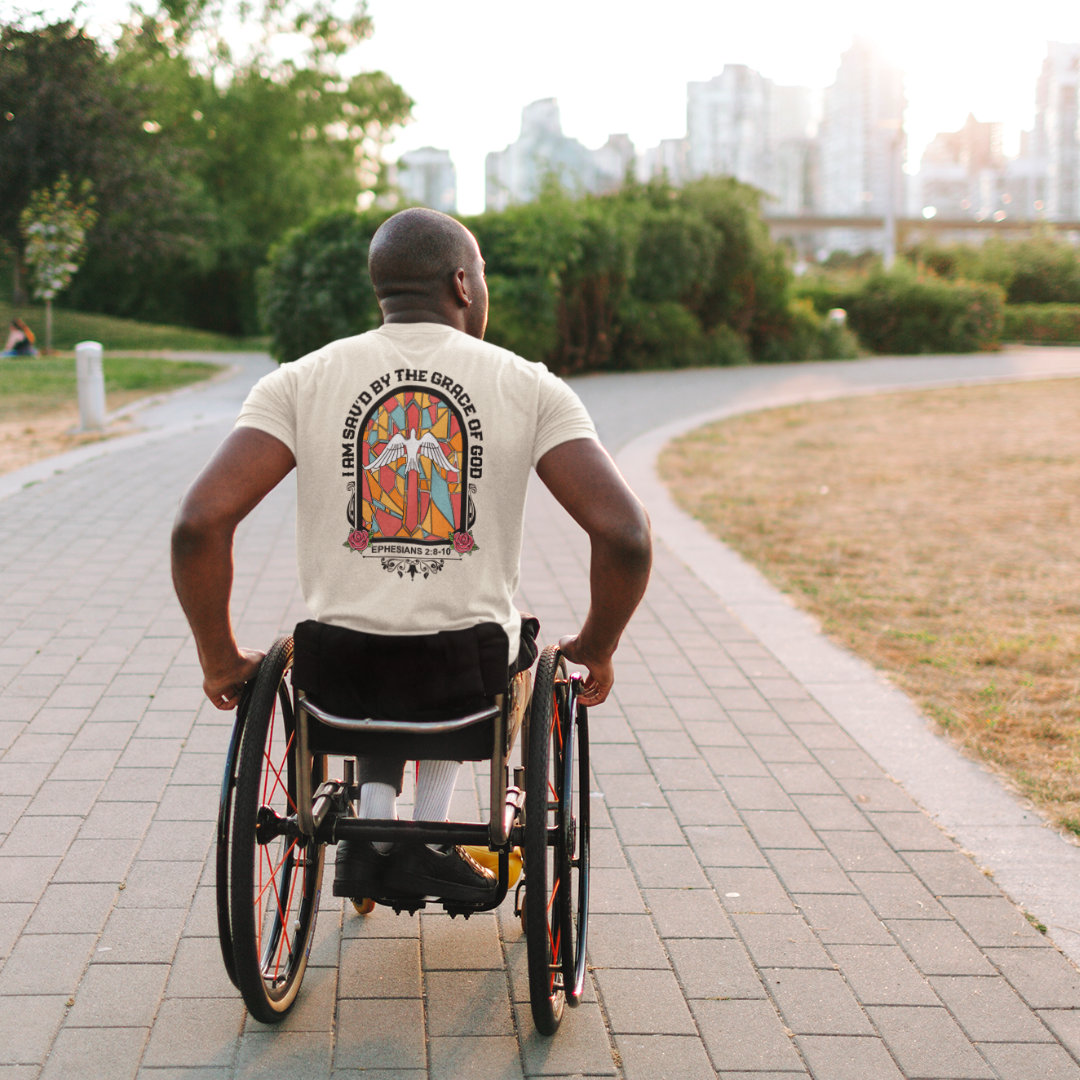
630, 75
472, 77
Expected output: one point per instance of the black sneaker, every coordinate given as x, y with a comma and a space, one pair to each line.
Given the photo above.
448, 875
359, 869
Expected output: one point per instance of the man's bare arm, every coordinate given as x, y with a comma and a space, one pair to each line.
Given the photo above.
244, 469
584, 479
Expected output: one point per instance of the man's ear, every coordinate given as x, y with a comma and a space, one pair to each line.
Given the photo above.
460, 289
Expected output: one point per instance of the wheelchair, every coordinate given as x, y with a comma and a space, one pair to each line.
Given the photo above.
279, 810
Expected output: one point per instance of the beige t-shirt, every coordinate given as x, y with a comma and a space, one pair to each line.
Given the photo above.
413, 447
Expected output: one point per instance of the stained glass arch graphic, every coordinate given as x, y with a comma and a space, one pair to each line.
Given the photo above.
411, 452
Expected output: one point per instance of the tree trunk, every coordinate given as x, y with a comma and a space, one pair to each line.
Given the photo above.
18, 293
48, 326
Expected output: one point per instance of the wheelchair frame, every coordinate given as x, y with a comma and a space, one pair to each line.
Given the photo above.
265, 943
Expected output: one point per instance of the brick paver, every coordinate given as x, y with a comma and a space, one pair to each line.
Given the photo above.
767, 903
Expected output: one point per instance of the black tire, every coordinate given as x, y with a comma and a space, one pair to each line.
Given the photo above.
573, 848
555, 910
224, 836
273, 885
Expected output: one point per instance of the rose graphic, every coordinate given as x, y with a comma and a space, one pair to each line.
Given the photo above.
463, 542
358, 539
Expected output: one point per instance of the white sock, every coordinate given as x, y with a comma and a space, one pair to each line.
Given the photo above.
378, 801
434, 790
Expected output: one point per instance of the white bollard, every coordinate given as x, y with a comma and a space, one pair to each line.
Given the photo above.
91, 379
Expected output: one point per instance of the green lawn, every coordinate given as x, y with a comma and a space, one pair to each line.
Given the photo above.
71, 327
36, 385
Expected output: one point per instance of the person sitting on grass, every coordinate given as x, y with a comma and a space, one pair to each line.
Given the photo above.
20, 340
413, 446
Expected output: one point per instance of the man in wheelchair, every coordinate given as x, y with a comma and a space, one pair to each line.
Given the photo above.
413, 445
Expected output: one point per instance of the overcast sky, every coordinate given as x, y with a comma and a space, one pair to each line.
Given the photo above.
623, 67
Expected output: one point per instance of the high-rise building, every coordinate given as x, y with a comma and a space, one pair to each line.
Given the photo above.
961, 172
1025, 181
1055, 137
794, 177
670, 159
742, 124
862, 139
964, 173
728, 125
427, 177
517, 173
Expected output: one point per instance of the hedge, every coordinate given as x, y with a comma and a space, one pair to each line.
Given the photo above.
648, 277
1040, 269
1042, 324
315, 287
902, 311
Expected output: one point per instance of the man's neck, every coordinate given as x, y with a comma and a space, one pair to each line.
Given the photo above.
444, 315
418, 316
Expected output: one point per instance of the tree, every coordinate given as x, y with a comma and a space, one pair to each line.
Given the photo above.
55, 227
65, 110
268, 144
200, 160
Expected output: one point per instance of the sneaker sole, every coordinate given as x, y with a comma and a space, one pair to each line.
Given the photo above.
415, 884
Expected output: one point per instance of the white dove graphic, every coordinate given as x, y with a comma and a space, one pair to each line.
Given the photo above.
412, 449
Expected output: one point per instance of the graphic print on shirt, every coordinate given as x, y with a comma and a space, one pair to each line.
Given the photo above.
408, 457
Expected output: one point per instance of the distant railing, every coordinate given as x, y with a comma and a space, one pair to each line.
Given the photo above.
815, 222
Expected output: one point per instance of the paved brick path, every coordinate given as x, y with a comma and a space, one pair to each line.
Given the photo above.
766, 903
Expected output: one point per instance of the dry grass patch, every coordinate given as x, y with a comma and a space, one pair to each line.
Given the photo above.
39, 415
937, 534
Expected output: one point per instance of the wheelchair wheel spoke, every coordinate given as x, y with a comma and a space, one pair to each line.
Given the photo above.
268, 751
284, 917
554, 891
555, 966
274, 870
278, 782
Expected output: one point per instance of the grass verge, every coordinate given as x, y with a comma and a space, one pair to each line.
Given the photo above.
937, 534
41, 384
71, 327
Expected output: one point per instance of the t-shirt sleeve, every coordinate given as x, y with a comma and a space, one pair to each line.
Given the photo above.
271, 406
561, 417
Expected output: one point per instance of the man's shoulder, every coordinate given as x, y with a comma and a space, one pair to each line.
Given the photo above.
340, 350
387, 341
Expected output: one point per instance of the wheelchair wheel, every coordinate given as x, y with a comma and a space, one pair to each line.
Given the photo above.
273, 881
556, 907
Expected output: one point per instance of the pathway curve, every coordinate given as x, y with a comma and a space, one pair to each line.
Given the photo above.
768, 903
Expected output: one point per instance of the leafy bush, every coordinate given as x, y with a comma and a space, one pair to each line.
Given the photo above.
316, 287
811, 336
648, 277
652, 276
667, 335
905, 312
565, 263
825, 292
1038, 270
1042, 323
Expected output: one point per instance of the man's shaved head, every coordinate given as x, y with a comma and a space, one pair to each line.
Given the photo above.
426, 267
418, 251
